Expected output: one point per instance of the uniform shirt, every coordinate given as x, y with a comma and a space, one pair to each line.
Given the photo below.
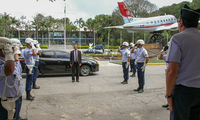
28, 56
164, 58
22, 53
125, 55
141, 54
11, 80
37, 56
133, 55
184, 49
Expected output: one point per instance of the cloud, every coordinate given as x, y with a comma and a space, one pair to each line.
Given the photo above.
75, 8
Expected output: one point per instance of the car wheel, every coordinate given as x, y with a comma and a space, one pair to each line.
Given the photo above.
85, 70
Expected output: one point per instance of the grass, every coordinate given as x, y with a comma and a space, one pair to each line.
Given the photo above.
150, 61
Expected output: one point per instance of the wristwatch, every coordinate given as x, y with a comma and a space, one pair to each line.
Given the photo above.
166, 96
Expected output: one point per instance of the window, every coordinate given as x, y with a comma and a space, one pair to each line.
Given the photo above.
158, 21
47, 55
166, 19
163, 20
171, 18
151, 21
62, 55
154, 21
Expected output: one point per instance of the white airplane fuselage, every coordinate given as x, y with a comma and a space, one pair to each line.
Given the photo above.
150, 24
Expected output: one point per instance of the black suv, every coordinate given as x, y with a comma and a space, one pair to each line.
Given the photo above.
58, 61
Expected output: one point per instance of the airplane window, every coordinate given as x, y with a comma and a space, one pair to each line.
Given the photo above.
163, 20
154, 21
147, 23
172, 19
166, 19
158, 21
151, 22
169, 19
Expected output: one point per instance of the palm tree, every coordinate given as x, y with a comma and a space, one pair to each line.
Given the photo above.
14, 24
36, 22
5, 18
80, 23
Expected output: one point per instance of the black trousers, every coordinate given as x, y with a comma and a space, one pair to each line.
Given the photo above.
75, 67
186, 103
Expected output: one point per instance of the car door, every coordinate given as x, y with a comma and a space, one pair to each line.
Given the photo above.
63, 62
47, 63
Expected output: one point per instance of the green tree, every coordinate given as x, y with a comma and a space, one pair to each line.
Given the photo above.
36, 22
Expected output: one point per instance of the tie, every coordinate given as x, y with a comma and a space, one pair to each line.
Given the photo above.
75, 56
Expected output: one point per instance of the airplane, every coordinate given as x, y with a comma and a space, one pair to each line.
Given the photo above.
155, 25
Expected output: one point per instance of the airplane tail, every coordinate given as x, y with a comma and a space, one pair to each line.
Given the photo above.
127, 17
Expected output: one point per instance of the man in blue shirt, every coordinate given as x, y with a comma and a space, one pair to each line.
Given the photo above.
125, 62
10, 87
133, 57
141, 56
29, 52
183, 72
36, 59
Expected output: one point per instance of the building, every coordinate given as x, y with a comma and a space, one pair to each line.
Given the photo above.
56, 37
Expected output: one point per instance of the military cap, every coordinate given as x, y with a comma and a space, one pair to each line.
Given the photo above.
190, 14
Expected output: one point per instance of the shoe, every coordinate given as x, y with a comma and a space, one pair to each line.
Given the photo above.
137, 88
124, 82
20, 118
73, 81
141, 90
133, 75
77, 80
28, 96
165, 106
35, 86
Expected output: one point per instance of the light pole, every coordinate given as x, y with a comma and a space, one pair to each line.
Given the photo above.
65, 26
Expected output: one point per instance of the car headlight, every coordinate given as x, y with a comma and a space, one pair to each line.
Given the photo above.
92, 61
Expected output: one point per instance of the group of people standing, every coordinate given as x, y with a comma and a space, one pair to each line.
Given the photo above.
182, 67
11, 85
137, 57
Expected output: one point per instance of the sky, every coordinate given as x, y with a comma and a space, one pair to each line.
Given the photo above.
75, 8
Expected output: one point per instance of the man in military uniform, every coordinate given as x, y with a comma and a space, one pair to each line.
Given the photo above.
16, 44
142, 56
29, 52
125, 61
36, 59
132, 62
183, 72
163, 56
11, 87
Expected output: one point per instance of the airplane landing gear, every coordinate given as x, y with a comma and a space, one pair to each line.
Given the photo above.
156, 37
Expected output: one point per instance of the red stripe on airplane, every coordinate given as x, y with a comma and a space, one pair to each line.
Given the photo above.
151, 26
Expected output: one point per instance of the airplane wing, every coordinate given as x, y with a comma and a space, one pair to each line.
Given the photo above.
172, 27
119, 27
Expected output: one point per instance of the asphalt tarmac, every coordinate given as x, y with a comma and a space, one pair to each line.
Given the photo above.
99, 96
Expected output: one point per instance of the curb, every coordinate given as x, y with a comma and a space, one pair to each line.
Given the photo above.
147, 63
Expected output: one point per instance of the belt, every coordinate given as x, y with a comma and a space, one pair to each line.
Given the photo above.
124, 61
132, 58
140, 61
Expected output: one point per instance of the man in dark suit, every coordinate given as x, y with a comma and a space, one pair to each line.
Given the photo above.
75, 62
